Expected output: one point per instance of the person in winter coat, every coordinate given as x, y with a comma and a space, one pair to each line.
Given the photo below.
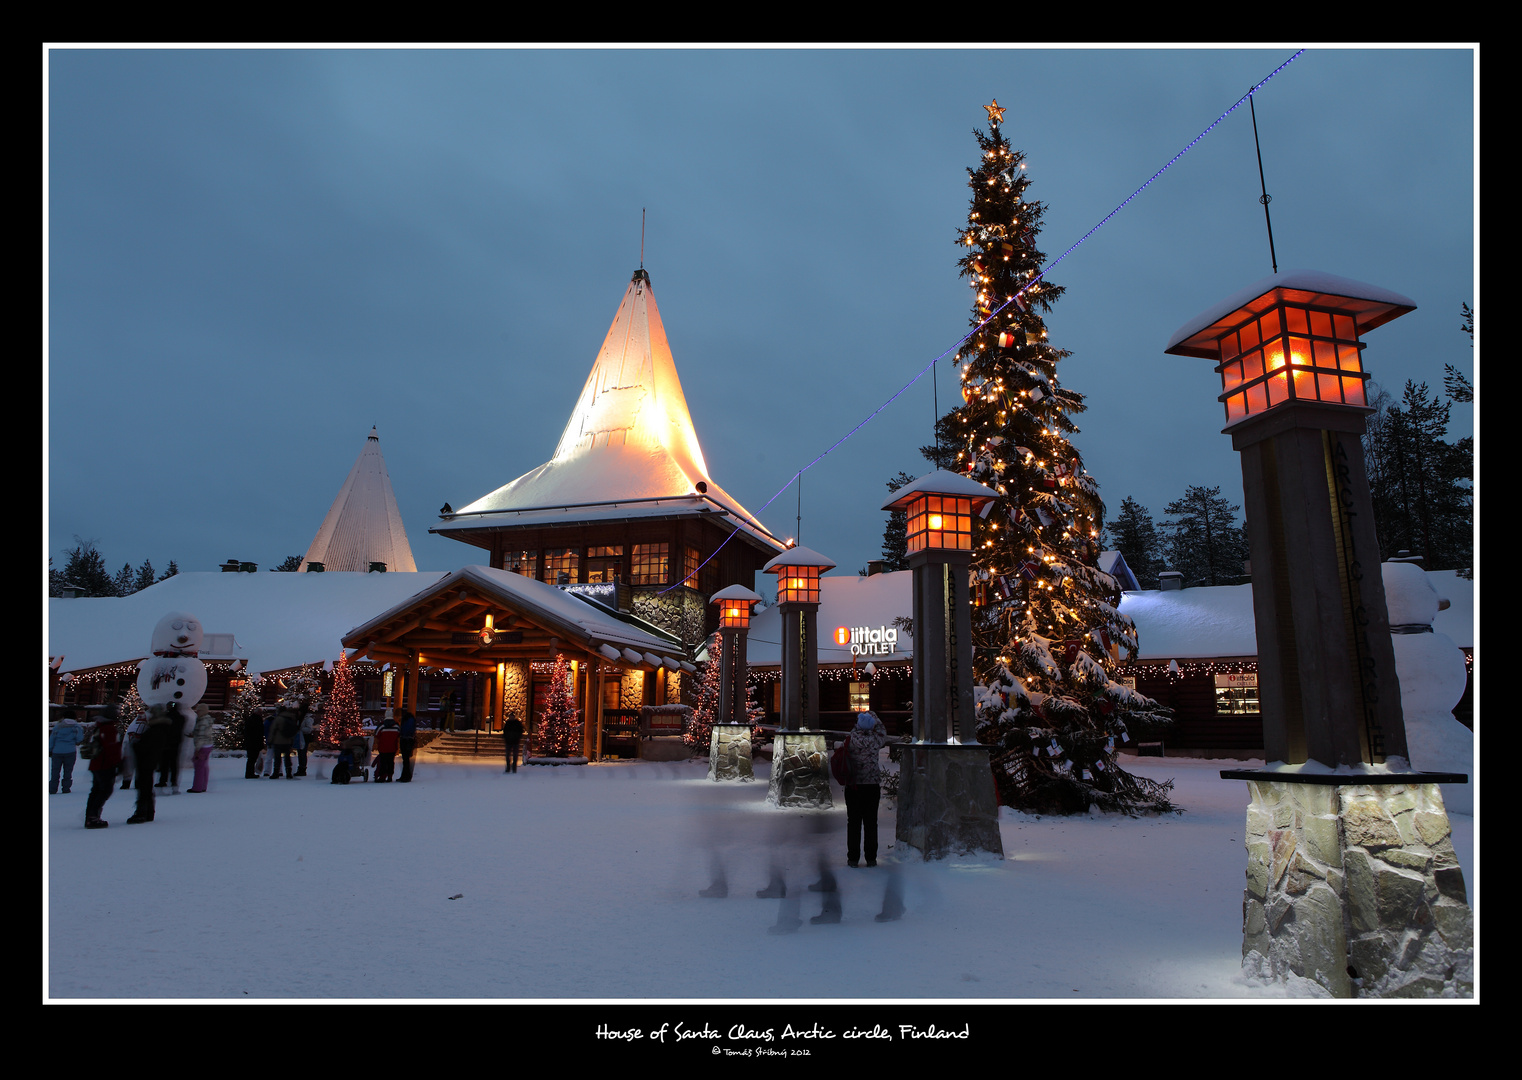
103, 768
512, 735
201, 737
129, 749
253, 742
63, 748
283, 731
161, 733
303, 737
407, 739
387, 741
865, 789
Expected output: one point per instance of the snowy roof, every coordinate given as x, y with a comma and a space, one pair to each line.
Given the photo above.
1114, 564
630, 438
363, 525
1182, 624
1374, 306
278, 621
547, 606
940, 482
843, 601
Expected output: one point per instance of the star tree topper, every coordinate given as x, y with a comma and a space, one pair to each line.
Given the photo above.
995, 113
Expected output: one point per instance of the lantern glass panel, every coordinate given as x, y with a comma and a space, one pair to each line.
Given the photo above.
1270, 323
1352, 392
1347, 357
1278, 389
1231, 376
1250, 335
1229, 346
1326, 388
1321, 323
1252, 366
1295, 319
734, 614
1236, 408
1345, 328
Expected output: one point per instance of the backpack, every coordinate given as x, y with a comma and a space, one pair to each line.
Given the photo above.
90, 746
840, 763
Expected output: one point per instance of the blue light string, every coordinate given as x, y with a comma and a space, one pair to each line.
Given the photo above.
963, 339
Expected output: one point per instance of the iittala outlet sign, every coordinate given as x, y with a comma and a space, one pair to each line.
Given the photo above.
868, 640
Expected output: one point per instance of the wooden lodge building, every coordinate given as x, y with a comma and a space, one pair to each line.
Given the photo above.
625, 511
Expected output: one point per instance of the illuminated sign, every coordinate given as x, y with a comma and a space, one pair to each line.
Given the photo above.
868, 640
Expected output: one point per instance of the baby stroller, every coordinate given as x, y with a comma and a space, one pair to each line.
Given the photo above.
353, 760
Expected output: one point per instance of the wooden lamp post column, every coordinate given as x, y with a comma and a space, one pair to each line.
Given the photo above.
946, 798
800, 752
729, 745
1339, 821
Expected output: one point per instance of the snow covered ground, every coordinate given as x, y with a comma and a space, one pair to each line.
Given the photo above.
583, 883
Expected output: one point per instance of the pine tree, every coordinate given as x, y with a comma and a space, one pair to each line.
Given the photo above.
248, 702
121, 585
144, 577
1205, 543
559, 733
86, 569
1050, 629
341, 719
1136, 536
171, 572
896, 532
1421, 484
291, 564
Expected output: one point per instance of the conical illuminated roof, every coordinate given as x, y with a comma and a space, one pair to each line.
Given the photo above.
364, 525
629, 439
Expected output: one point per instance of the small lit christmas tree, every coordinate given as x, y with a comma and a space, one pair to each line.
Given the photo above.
248, 703
698, 731
130, 709
559, 733
1047, 629
341, 719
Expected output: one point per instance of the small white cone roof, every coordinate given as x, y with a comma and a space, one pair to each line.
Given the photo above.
364, 525
630, 435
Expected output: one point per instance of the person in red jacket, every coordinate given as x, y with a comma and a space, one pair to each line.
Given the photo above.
103, 767
387, 741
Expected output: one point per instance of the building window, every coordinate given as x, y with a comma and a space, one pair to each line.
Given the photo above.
605, 563
651, 564
560, 566
1236, 694
520, 562
690, 561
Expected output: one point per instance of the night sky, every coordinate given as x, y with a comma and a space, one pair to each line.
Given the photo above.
255, 255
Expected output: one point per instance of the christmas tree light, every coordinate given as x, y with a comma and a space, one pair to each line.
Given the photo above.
1048, 630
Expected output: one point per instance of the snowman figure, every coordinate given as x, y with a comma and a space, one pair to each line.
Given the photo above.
170, 682
172, 677
1432, 677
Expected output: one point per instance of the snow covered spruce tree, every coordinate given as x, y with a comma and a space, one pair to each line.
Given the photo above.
248, 702
1047, 629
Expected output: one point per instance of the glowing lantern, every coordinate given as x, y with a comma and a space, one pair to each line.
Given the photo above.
734, 605
940, 507
1291, 337
798, 571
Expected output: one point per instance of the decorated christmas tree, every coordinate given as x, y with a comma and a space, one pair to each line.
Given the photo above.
248, 702
1047, 628
341, 719
699, 726
559, 733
